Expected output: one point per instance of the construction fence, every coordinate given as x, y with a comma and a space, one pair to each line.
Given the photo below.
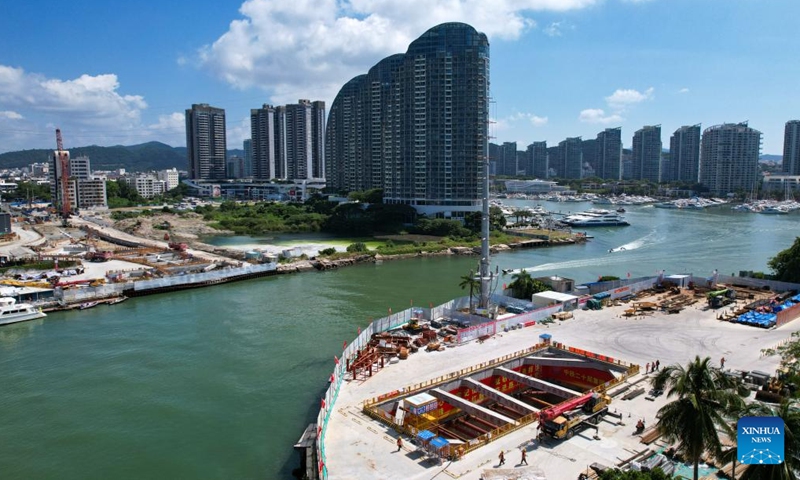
202, 278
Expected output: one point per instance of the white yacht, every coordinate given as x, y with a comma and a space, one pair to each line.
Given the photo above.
13, 312
595, 218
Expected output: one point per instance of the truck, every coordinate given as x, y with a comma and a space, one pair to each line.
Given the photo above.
565, 420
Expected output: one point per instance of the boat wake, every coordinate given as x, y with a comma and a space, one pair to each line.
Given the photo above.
638, 243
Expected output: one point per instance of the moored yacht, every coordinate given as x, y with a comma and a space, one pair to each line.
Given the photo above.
13, 312
595, 218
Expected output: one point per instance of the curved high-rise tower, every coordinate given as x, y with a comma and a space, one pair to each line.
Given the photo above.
416, 124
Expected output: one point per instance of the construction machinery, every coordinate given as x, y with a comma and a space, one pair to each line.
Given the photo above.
570, 417
99, 256
173, 245
63, 165
720, 298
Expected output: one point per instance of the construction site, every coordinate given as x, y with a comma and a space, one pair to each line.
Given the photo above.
574, 394
564, 389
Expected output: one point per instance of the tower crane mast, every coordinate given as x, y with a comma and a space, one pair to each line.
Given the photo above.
63, 161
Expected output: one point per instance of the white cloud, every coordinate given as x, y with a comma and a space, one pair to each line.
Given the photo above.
11, 115
553, 30
91, 99
237, 133
622, 98
310, 48
683, 90
534, 120
597, 115
89, 108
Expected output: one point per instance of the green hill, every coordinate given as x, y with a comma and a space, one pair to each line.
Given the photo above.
146, 156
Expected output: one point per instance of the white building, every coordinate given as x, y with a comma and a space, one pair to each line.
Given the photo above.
781, 183
147, 185
170, 176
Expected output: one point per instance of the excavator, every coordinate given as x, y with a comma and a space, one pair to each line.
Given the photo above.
568, 418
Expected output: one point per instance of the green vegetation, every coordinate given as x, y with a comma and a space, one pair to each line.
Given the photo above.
28, 191
142, 157
705, 400
616, 474
120, 195
469, 281
786, 264
327, 251
262, 218
25, 264
357, 247
607, 278
524, 286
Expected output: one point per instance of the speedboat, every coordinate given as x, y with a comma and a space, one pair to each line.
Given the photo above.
86, 305
117, 300
13, 312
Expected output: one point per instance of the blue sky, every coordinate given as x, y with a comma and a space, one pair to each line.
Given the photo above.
124, 74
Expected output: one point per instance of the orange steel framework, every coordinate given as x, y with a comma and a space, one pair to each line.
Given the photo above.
63, 160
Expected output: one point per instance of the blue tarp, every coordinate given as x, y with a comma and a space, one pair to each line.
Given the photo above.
601, 295
425, 435
439, 442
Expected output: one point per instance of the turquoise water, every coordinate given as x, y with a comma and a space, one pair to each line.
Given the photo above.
683, 470
219, 383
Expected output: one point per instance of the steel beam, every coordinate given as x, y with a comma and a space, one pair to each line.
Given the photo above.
548, 387
469, 407
498, 396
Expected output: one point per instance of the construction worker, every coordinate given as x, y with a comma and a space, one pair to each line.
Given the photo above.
524, 457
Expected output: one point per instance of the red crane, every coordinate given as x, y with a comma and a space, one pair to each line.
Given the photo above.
63, 159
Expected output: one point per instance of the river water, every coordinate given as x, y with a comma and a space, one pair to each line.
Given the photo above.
218, 383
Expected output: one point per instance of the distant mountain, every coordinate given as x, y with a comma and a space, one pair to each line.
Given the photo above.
134, 158
771, 158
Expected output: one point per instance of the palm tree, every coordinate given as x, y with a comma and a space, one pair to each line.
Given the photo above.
472, 283
704, 395
789, 411
526, 214
522, 284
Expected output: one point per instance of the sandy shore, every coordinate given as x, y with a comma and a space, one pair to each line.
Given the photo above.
360, 447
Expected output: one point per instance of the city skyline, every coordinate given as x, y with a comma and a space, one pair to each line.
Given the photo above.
560, 69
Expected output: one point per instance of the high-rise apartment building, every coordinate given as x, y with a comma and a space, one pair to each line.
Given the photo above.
263, 137
729, 158
537, 160
791, 148
300, 140
287, 142
205, 142
608, 158
684, 152
508, 159
247, 146
417, 121
647, 153
570, 158
589, 152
